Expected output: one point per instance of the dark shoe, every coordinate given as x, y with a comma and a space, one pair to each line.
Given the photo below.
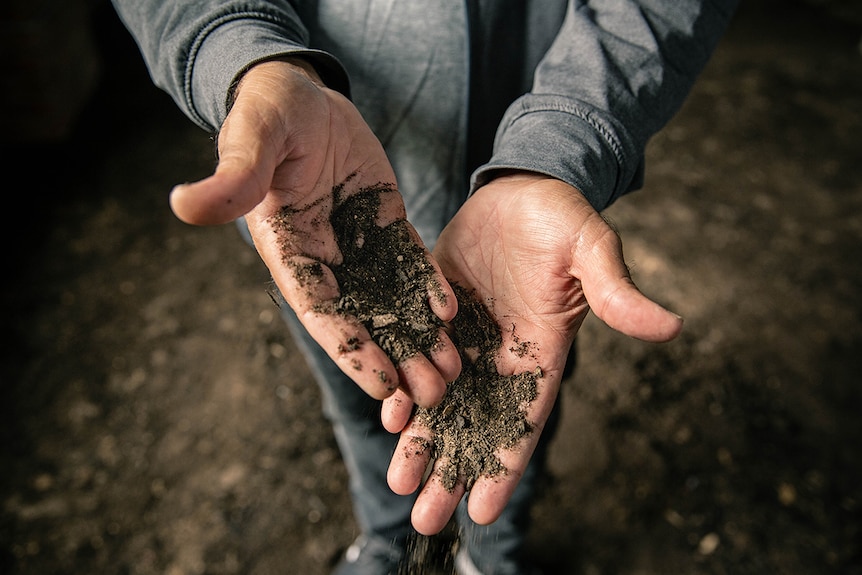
367, 556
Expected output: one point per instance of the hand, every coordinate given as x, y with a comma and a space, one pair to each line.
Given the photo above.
536, 248
287, 142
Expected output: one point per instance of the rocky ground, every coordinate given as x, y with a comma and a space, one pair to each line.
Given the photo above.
157, 418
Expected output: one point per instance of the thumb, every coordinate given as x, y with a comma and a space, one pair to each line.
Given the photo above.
232, 191
616, 300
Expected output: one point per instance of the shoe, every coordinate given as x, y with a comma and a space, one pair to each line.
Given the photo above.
464, 566
367, 556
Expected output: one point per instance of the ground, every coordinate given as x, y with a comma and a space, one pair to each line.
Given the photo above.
157, 418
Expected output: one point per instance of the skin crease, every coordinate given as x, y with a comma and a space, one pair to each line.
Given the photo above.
532, 243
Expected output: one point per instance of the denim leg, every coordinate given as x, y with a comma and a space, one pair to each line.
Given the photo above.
365, 445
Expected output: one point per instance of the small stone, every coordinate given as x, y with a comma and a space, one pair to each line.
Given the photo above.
708, 544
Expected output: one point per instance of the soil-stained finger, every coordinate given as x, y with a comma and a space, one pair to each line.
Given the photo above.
445, 358
441, 296
396, 411
352, 349
421, 381
435, 505
490, 495
390, 207
409, 463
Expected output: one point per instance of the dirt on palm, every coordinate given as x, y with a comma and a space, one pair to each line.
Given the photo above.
483, 411
158, 418
385, 281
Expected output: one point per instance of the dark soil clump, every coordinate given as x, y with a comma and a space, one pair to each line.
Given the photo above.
385, 280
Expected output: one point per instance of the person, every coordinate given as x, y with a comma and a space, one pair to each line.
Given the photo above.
507, 127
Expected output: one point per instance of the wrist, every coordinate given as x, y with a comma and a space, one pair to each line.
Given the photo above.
514, 175
279, 67
297, 64
274, 69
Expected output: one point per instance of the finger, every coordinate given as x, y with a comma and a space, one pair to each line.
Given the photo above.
221, 198
391, 208
310, 288
441, 296
421, 381
615, 299
629, 311
350, 346
445, 358
409, 462
242, 177
490, 495
396, 411
435, 505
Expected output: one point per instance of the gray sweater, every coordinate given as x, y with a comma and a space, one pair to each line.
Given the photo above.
572, 89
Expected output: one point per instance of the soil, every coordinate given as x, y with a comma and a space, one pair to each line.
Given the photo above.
158, 418
482, 411
384, 277
385, 281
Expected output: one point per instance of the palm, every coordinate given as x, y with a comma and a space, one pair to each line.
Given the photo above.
516, 252
287, 145
535, 249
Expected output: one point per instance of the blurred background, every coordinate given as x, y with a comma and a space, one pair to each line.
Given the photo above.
156, 417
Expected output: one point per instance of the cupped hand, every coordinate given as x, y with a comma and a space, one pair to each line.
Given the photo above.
536, 249
290, 152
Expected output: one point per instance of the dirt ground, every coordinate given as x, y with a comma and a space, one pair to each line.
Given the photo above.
157, 419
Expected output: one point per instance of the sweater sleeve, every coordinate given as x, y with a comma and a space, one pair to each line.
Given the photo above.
615, 74
196, 51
